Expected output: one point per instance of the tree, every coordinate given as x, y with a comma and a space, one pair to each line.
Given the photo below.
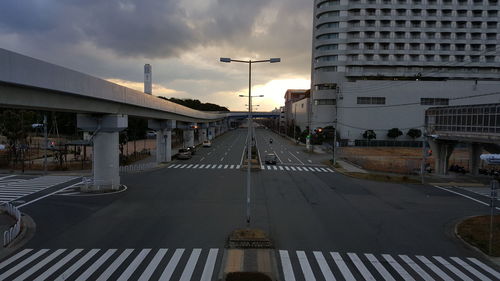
196, 104
369, 135
414, 133
394, 133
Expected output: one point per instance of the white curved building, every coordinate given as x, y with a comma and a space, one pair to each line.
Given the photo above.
375, 56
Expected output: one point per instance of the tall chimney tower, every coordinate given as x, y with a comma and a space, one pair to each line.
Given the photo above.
148, 84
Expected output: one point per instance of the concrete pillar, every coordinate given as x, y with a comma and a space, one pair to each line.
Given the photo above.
163, 129
211, 132
203, 132
105, 156
188, 137
475, 150
442, 151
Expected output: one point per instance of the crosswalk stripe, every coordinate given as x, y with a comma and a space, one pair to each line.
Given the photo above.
22, 264
323, 266
342, 266
58, 265
317, 169
189, 269
287, 266
398, 267
6, 177
306, 268
134, 265
169, 270
452, 268
262, 167
214, 166
281, 168
66, 274
379, 267
116, 263
434, 268
183, 166
268, 167
470, 269
209, 265
275, 168
220, 166
232, 166
293, 168
202, 166
176, 166
189, 166
148, 272
299, 168
286, 168
330, 170
485, 267
324, 170
416, 268
360, 266
100, 261
237, 166
39, 265
196, 166
225, 166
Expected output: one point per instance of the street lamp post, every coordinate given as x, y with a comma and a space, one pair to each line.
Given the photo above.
250, 124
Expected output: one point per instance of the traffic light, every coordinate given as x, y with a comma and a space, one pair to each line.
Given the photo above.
429, 152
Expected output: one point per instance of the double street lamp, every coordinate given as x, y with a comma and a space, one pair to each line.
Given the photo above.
250, 123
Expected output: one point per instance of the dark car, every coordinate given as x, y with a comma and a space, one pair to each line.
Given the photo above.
192, 149
270, 159
184, 154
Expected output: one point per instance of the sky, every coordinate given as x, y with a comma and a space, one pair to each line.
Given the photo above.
182, 40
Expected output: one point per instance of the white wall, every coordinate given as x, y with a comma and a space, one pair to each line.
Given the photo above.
299, 110
354, 119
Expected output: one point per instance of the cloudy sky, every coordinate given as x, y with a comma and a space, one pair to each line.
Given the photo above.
182, 39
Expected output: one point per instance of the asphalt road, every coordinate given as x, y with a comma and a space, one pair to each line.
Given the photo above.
306, 212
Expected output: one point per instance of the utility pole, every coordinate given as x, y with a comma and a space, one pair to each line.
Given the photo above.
493, 198
424, 155
334, 147
294, 122
46, 143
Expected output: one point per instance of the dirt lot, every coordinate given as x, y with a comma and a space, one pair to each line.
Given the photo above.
396, 159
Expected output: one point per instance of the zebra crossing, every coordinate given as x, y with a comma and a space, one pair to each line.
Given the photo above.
203, 264
112, 264
283, 168
12, 188
317, 265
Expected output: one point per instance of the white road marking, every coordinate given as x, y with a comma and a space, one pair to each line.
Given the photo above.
209, 265
232, 167
222, 159
360, 266
281, 168
379, 267
114, 266
485, 267
22, 264
452, 268
202, 159
237, 166
342, 266
434, 268
470, 269
172, 264
293, 168
297, 158
398, 267
306, 268
102, 259
134, 265
66, 274
196, 166
416, 268
58, 265
287, 266
39, 265
189, 269
148, 272
286, 168
225, 167
323, 265
465, 196
309, 161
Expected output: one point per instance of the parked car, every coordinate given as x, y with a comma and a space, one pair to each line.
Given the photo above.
184, 154
270, 159
207, 143
192, 149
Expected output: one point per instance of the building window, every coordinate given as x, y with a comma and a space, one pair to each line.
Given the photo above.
324, 102
329, 3
328, 36
328, 14
434, 101
326, 58
371, 100
328, 25
326, 86
328, 47
327, 69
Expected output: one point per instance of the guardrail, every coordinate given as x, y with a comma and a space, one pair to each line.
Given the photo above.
137, 167
13, 232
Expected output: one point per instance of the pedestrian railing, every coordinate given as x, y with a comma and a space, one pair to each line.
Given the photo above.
137, 167
11, 234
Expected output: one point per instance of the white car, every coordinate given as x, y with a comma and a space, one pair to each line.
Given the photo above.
207, 143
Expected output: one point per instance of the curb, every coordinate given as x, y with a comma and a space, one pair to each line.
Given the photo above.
494, 260
28, 229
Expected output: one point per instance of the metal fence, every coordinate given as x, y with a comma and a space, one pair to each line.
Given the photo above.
137, 167
11, 234
388, 143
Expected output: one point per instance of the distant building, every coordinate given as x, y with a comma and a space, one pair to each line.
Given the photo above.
382, 63
300, 117
291, 96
